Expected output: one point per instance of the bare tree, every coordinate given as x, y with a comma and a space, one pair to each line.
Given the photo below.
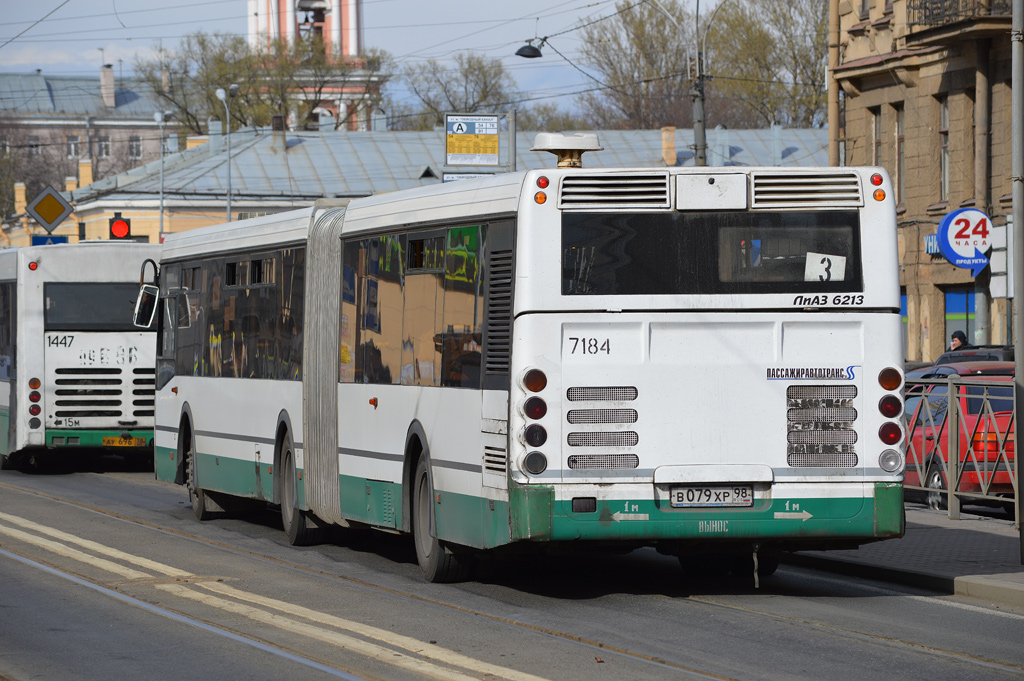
272, 79
474, 83
640, 58
780, 75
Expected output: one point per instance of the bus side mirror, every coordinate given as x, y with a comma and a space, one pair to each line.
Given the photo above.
145, 306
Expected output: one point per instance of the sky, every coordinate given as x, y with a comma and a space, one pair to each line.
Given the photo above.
76, 37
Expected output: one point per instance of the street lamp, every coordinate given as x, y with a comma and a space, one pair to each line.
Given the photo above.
161, 118
226, 98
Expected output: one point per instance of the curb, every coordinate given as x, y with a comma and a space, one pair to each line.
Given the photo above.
920, 580
992, 590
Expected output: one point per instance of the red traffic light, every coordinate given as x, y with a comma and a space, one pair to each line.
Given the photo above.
120, 228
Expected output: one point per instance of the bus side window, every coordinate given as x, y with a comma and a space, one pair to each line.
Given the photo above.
463, 308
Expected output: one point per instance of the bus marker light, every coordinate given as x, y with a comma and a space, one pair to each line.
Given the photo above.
890, 461
890, 406
34, 396
33, 266
542, 182
536, 435
889, 378
174, 390
876, 180
879, 195
535, 408
540, 197
535, 380
34, 383
536, 463
373, 402
34, 409
890, 433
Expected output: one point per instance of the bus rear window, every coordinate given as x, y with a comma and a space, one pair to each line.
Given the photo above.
710, 253
90, 306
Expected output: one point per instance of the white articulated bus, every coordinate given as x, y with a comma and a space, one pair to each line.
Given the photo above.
699, 359
75, 371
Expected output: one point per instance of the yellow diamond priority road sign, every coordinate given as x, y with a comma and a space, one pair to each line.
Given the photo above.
49, 209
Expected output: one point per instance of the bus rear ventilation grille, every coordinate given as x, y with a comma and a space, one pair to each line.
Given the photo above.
641, 190
495, 459
602, 416
773, 190
626, 438
602, 394
817, 456
577, 461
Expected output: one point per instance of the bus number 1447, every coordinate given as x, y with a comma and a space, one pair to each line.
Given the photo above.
590, 346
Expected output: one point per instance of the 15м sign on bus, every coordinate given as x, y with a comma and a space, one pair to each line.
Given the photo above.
965, 237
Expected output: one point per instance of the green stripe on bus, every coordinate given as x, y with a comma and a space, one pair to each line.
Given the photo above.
5, 430
235, 477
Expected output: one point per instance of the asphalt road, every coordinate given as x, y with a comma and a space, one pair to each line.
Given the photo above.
106, 574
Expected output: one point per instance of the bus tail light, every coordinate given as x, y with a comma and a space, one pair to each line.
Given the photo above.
535, 408
34, 423
890, 406
34, 396
890, 433
879, 195
535, 463
534, 380
34, 409
890, 461
542, 182
536, 435
34, 383
876, 179
889, 378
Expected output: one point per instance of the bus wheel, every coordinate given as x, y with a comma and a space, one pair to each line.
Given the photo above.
296, 525
200, 504
437, 563
6, 463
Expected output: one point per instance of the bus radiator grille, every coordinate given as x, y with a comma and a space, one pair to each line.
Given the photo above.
577, 461
821, 424
596, 439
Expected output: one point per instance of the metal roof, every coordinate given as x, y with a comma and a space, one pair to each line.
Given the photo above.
298, 167
37, 94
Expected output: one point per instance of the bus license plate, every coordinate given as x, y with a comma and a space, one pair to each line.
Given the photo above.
705, 496
124, 442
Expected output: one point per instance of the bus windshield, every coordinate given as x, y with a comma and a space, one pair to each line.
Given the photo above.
106, 306
710, 253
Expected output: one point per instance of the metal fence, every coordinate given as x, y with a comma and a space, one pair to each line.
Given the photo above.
940, 12
960, 443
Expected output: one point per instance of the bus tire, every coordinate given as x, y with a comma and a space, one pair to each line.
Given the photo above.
6, 463
437, 563
201, 507
296, 525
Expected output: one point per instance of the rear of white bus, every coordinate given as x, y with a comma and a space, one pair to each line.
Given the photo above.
706, 359
85, 372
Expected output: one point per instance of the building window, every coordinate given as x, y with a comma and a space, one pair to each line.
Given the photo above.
901, 158
944, 149
876, 136
73, 146
103, 147
959, 313
865, 9
888, 7
34, 148
134, 147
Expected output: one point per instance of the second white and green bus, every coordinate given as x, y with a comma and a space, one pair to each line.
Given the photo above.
75, 373
696, 359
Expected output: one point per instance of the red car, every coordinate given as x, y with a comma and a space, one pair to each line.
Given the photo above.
984, 418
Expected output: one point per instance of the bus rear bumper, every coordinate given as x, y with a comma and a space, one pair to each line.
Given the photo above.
794, 515
109, 439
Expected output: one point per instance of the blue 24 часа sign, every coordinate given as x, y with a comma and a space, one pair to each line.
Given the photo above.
965, 237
